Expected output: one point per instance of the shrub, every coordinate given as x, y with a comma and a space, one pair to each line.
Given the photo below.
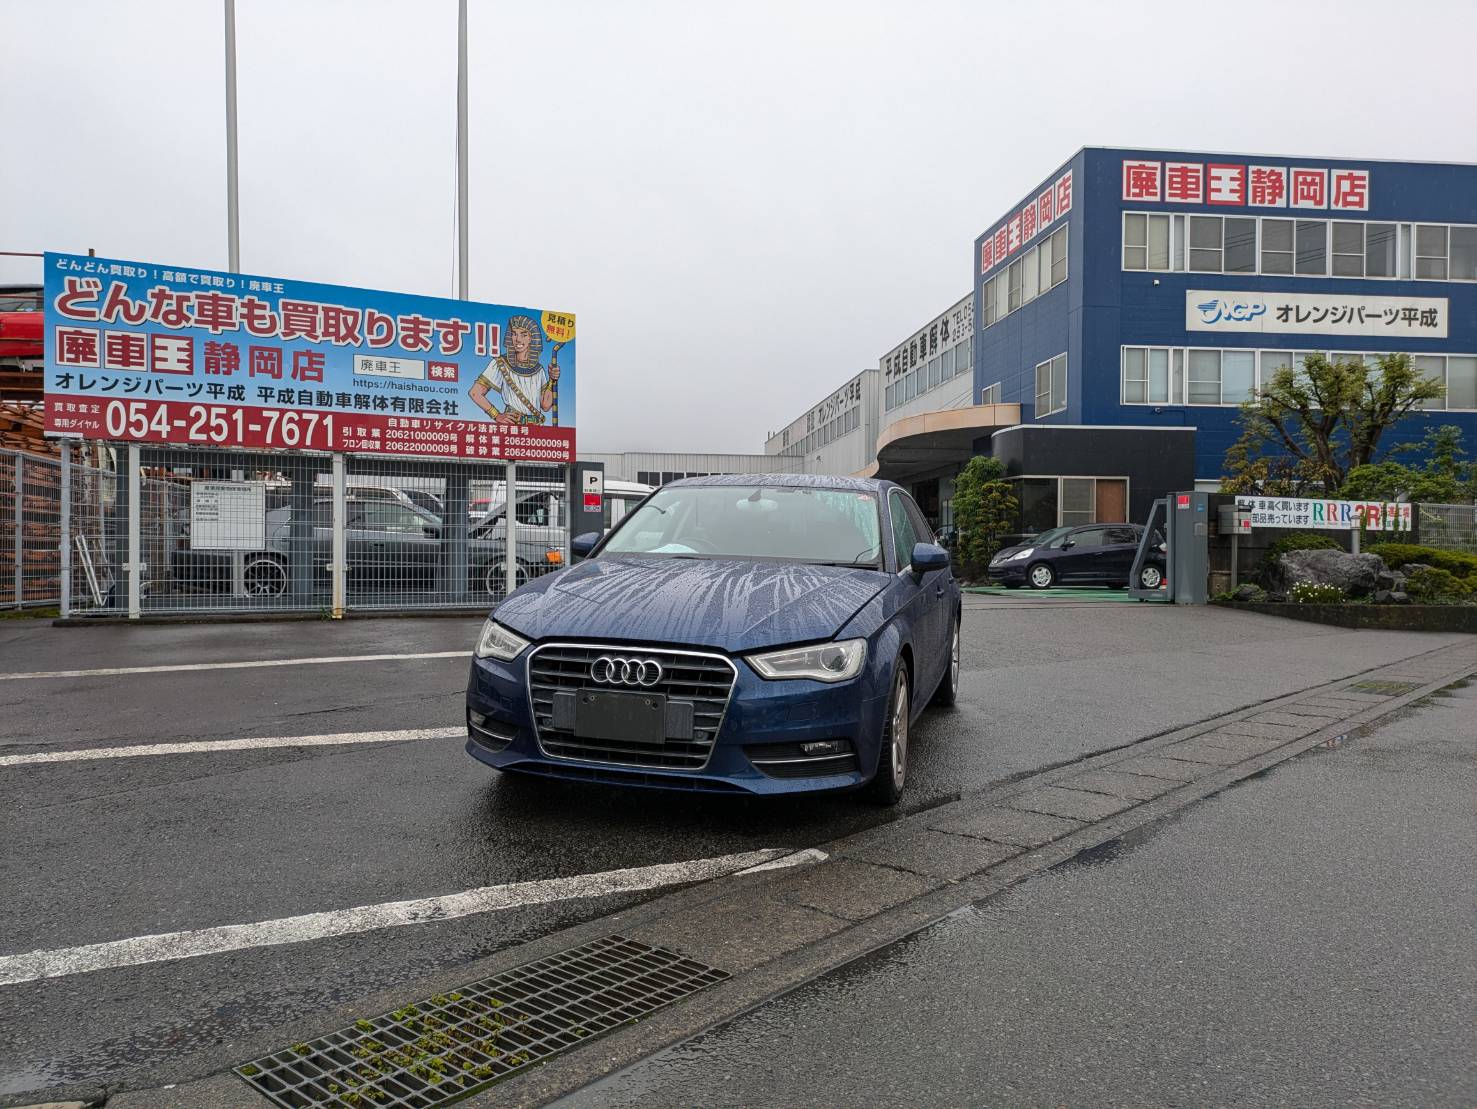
1435, 585
1297, 541
1315, 592
1456, 563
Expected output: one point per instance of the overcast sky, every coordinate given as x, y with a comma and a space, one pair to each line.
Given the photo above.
744, 203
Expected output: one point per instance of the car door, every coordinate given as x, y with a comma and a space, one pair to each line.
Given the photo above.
1122, 545
404, 544
913, 605
938, 618
1083, 554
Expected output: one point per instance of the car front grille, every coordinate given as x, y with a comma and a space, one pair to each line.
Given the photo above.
704, 681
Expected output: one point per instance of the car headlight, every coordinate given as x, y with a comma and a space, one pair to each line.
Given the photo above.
825, 662
498, 642
1027, 553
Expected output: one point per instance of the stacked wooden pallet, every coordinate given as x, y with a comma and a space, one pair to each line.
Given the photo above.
20, 429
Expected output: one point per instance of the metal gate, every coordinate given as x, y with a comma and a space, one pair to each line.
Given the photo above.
171, 530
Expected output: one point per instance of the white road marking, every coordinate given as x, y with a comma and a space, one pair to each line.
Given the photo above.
809, 855
167, 946
210, 745
247, 665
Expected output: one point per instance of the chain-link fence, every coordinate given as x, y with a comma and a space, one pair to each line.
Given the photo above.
30, 506
221, 531
1449, 526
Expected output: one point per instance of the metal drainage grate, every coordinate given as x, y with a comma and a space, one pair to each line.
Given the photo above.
442, 1049
1385, 689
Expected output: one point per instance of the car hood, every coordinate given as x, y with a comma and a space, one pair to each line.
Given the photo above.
733, 605
1005, 552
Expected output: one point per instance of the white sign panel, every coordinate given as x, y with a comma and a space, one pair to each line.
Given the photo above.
1320, 515
1316, 314
373, 365
228, 516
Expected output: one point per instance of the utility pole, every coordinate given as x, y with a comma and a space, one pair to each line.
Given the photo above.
233, 206
462, 204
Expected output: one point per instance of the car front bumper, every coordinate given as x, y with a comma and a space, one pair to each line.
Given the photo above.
766, 721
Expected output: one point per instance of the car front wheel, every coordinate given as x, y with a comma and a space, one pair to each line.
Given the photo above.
892, 760
1041, 576
1151, 577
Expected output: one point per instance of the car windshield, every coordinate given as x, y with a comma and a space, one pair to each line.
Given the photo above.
833, 526
1052, 538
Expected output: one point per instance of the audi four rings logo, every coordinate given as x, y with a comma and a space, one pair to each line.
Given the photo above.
614, 670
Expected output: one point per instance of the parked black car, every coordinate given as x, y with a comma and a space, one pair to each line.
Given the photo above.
1091, 554
388, 546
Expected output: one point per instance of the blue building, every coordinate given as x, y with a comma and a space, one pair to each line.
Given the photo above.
1153, 289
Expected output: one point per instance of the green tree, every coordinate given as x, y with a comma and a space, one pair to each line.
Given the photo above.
1307, 429
985, 511
1444, 478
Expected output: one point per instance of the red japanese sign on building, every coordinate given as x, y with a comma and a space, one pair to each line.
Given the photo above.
1238, 184
1021, 227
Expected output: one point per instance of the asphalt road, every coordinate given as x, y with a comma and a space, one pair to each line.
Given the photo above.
1306, 938
112, 848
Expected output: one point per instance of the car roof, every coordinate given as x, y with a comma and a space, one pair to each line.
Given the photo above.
789, 481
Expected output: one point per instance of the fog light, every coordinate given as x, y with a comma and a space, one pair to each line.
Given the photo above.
824, 747
476, 718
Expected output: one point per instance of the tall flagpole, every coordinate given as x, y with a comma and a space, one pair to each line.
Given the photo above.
233, 206
461, 150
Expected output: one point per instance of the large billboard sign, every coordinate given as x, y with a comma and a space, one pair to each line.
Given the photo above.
148, 353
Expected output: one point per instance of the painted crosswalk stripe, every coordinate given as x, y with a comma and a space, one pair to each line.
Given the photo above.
208, 746
58, 962
248, 664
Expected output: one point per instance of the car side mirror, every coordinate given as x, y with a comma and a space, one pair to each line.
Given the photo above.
1066, 543
432, 532
928, 556
581, 545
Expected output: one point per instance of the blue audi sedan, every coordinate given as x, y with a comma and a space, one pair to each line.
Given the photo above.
748, 634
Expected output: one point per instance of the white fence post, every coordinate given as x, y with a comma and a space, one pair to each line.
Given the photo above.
134, 566
338, 567
65, 566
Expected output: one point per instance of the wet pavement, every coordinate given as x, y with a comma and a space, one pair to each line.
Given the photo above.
1308, 937
115, 848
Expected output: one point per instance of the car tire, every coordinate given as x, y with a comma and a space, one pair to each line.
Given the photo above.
948, 690
264, 577
892, 754
1151, 577
491, 579
1041, 576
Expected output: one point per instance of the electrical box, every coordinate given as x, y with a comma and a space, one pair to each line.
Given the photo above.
1188, 533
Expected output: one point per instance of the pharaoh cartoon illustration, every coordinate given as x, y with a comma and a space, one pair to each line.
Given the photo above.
516, 388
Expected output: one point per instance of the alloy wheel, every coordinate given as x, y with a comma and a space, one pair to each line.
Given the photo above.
264, 578
1150, 577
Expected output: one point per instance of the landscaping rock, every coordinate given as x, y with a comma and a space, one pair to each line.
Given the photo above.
1389, 580
1391, 597
1411, 567
1249, 592
1355, 574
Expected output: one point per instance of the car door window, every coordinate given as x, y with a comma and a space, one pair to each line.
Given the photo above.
1122, 535
1088, 537
921, 530
390, 516
903, 533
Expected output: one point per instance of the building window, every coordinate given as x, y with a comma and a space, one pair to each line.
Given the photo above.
1312, 247
935, 371
1461, 381
990, 394
1381, 250
1348, 249
987, 301
1276, 246
1030, 275
1145, 375
1078, 496
1222, 244
1013, 276
1051, 386
1463, 254
1430, 251
1058, 256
